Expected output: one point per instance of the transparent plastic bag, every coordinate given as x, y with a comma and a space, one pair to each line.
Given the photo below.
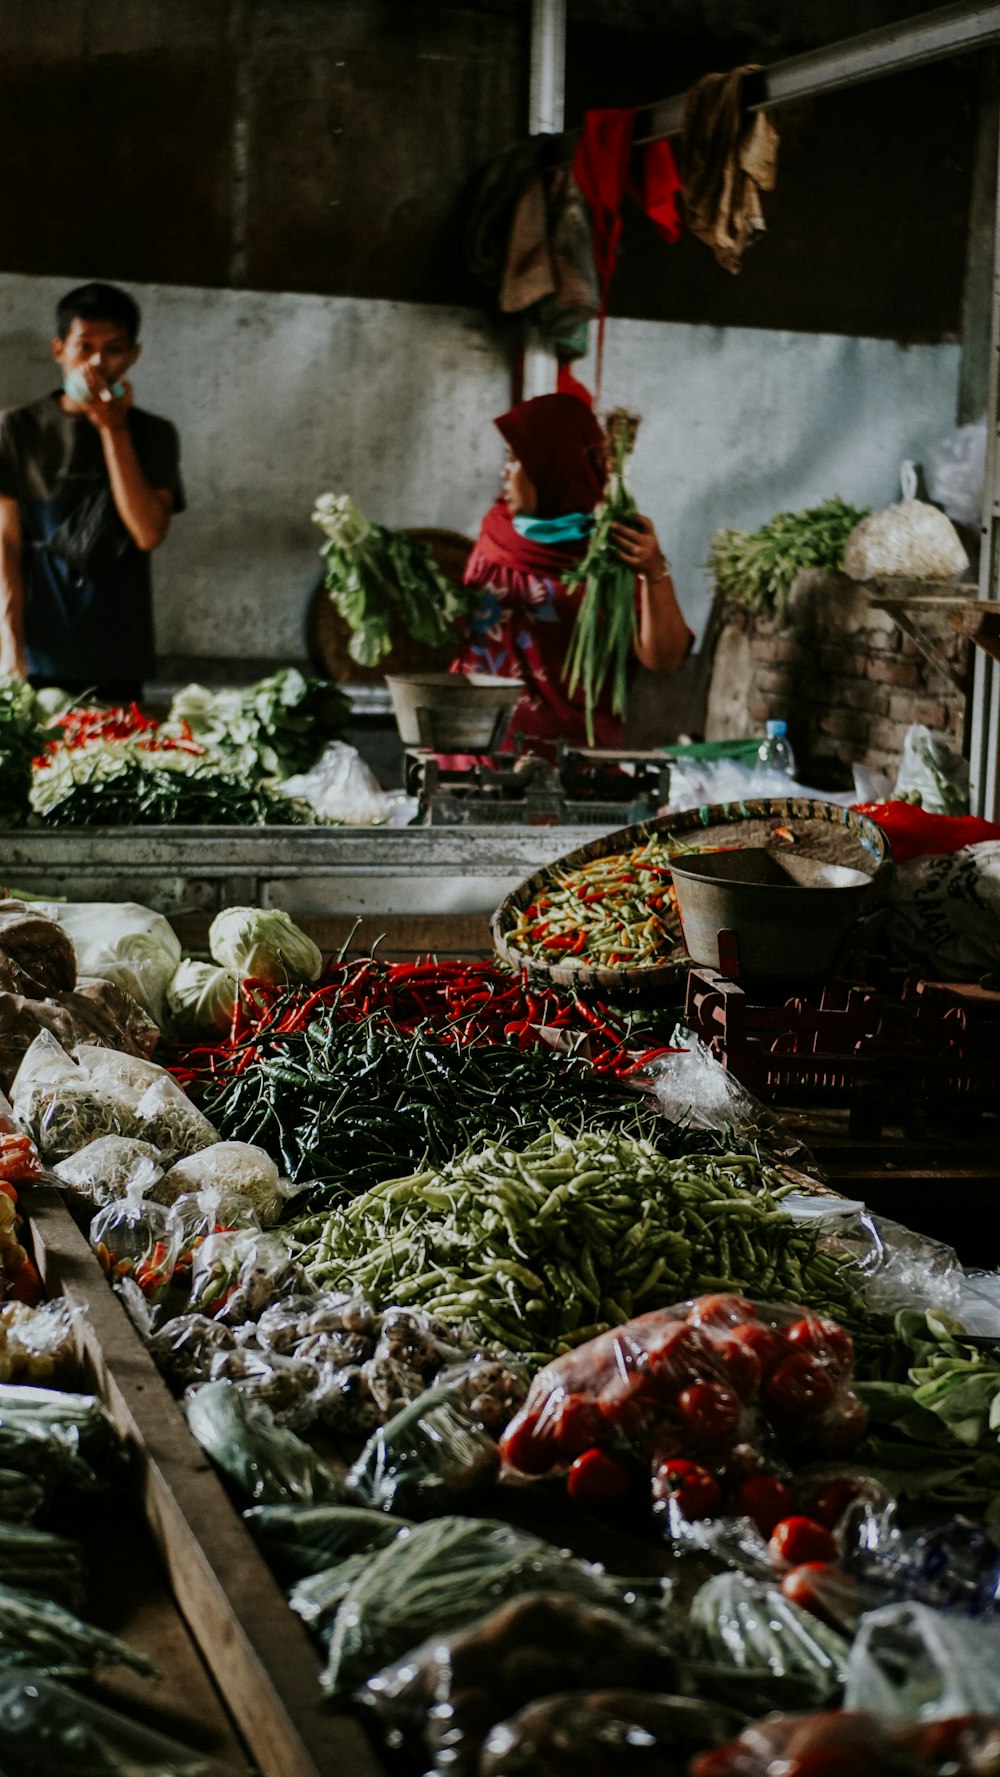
694, 1089
284, 1385
128, 1076
301, 1540
438, 1576
165, 1116
839, 1743
719, 1380
108, 1168
183, 1348
954, 471
47, 1728
236, 1275
911, 540
35, 1343
125, 943
748, 1623
909, 1661
932, 774
440, 1701
268, 1464
60, 1106
428, 1457
953, 1566
133, 1238
342, 789
233, 1166
618, 1733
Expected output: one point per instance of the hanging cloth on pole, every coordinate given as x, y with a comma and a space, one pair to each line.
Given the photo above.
730, 157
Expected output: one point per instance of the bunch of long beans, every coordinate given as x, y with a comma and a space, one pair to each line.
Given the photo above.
605, 629
546, 1247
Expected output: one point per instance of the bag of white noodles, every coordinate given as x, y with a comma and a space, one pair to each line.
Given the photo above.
60, 1105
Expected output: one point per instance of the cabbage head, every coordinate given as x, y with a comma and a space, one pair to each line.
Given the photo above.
202, 997
262, 944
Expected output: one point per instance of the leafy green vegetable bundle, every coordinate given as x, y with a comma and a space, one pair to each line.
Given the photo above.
604, 633
274, 728
112, 783
756, 568
381, 581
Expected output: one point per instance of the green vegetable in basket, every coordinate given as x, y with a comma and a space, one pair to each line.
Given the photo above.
605, 629
381, 580
426, 1458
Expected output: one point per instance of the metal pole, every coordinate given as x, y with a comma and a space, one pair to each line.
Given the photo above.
984, 749
546, 113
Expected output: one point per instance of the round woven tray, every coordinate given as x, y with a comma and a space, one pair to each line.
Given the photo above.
327, 635
822, 830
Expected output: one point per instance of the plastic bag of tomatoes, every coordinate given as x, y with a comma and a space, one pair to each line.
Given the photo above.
704, 1408
850, 1743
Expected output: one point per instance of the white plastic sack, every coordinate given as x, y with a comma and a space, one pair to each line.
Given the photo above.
909, 1662
955, 469
123, 942
341, 788
912, 541
944, 913
932, 774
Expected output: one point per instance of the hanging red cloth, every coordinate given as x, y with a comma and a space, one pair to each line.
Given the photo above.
601, 168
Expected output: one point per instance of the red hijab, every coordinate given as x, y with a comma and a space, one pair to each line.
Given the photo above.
561, 447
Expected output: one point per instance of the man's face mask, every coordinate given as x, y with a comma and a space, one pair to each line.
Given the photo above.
75, 386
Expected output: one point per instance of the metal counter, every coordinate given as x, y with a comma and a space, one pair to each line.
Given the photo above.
328, 871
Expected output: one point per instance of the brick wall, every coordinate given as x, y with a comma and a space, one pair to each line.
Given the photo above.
846, 679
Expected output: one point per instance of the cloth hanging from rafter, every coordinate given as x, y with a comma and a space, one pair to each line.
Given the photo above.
730, 157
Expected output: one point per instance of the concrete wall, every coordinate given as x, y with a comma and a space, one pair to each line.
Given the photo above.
281, 397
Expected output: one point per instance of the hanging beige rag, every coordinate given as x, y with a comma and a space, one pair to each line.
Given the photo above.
730, 157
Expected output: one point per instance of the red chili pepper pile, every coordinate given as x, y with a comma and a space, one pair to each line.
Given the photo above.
82, 727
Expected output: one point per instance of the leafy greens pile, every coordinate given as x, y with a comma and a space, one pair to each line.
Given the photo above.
756, 568
382, 581
21, 738
272, 729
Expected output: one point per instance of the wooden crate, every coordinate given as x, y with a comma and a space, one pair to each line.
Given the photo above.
258, 1653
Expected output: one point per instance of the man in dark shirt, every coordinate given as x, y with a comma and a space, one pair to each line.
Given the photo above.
88, 484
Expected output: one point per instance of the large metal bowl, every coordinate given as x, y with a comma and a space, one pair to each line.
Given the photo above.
453, 712
772, 914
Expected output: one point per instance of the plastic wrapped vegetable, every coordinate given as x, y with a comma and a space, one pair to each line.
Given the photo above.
20, 1498
749, 1624
183, 1348
269, 1465
202, 997
318, 1597
441, 1700
714, 1382
122, 942
106, 1168
441, 1575
263, 944
165, 1116
133, 1237
954, 1566
300, 1540
237, 1274
426, 1457
625, 1733
37, 951
35, 1342
232, 1166
60, 1105
52, 1437
39, 1636
46, 1728
841, 1744
37, 1561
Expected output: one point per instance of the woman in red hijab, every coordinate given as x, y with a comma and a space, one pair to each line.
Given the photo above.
537, 531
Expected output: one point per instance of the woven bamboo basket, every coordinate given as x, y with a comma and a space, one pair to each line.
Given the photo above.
822, 830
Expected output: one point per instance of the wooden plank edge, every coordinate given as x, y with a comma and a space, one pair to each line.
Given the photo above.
256, 1649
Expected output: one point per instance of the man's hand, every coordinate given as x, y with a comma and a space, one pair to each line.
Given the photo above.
107, 411
13, 662
638, 546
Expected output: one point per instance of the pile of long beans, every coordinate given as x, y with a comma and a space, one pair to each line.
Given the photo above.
545, 1247
614, 911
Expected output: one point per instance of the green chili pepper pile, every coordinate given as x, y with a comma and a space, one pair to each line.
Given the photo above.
546, 1247
604, 631
349, 1103
613, 911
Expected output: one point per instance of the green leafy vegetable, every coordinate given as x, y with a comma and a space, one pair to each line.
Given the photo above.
605, 628
263, 944
110, 783
382, 581
21, 738
756, 568
267, 1463
274, 728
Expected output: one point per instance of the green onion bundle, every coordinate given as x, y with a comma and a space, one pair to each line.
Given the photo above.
605, 630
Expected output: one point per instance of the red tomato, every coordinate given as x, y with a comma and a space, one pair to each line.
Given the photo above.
800, 1388
842, 1427
831, 1499
769, 1347
572, 1424
824, 1591
742, 1366
527, 1449
695, 1491
721, 1310
798, 1539
629, 1404
824, 1339
596, 1479
681, 1354
709, 1414
765, 1499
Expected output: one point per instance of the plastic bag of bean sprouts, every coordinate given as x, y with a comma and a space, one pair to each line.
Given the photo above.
58, 1103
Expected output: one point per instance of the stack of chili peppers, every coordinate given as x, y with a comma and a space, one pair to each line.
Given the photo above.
614, 911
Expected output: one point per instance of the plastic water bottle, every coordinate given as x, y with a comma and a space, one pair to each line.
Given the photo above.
774, 753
